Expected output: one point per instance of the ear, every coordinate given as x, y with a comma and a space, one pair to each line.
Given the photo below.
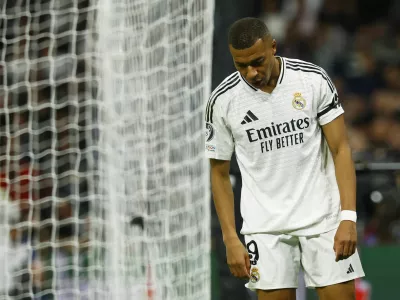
273, 45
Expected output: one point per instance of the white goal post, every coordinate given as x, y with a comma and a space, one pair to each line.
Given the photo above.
104, 185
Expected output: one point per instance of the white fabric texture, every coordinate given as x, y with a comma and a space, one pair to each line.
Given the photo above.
289, 184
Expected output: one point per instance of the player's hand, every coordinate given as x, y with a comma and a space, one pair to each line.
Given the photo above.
345, 242
237, 258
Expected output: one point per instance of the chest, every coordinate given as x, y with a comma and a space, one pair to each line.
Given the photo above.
290, 110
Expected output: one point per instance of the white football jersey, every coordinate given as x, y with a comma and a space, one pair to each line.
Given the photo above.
288, 176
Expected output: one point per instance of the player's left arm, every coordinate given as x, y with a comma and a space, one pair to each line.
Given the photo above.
336, 136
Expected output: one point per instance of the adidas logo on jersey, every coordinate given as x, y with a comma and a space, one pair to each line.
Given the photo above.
250, 117
350, 270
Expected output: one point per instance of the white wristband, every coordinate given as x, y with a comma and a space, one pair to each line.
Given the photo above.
348, 215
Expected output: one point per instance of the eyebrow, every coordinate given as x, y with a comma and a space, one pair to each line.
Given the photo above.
251, 62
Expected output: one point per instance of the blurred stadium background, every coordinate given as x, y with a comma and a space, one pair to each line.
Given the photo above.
62, 156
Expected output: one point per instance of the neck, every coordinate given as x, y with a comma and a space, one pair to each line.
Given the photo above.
276, 70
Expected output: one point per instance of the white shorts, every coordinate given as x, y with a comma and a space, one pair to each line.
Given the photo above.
276, 261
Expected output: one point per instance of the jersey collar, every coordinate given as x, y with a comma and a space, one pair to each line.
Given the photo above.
282, 73
279, 81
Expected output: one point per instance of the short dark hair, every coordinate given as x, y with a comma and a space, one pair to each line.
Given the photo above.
245, 32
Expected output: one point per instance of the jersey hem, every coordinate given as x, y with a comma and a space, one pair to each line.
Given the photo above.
310, 231
355, 276
271, 287
219, 157
330, 117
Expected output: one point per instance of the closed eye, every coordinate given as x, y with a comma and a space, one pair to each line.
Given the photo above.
258, 62
239, 65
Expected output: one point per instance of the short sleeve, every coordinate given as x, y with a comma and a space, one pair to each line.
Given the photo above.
329, 107
218, 139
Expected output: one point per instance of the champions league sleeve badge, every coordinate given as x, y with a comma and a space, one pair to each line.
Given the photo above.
209, 132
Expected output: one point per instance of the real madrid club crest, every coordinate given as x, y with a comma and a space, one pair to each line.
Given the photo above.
298, 101
209, 132
254, 275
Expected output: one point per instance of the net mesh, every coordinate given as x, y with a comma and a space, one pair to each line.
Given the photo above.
104, 188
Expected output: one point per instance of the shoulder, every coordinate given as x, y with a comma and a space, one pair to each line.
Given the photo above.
298, 65
223, 94
313, 73
305, 68
228, 86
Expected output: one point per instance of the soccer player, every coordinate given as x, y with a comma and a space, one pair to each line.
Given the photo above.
283, 119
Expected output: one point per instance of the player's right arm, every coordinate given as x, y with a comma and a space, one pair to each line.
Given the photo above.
219, 146
223, 197
236, 254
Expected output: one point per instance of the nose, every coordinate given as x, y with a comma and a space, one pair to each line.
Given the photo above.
251, 72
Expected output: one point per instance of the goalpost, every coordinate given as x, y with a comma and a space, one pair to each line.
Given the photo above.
102, 149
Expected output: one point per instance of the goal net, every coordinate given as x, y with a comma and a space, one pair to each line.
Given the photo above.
104, 186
